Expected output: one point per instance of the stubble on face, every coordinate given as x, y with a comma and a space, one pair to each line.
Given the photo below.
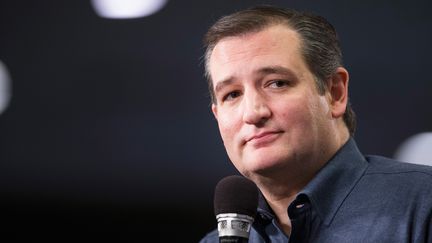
297, 110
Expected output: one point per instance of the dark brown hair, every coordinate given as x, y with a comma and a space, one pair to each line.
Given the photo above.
320, 45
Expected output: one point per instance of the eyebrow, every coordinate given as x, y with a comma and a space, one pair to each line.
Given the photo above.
262, 71
275, 70
220, 85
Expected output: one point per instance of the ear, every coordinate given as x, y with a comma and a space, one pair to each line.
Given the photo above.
339, 92
214, 110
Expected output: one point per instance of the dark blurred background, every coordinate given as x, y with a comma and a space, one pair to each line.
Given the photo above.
109, 136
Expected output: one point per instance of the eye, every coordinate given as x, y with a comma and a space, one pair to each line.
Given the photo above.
231, 95
278, 84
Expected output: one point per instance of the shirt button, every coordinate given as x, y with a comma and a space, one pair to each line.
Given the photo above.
298, 206
263, 216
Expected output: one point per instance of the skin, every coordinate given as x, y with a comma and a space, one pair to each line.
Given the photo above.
277, 129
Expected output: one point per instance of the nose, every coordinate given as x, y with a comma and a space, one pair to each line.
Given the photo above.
255, 109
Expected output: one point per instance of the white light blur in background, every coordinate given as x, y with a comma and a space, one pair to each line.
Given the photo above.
5, 87
416, 149
126, 9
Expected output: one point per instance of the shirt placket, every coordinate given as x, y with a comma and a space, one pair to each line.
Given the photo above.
299, 213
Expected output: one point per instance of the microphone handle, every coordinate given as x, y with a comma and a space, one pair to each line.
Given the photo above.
233, 239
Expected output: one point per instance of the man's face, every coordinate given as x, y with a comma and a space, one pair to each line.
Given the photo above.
268, 109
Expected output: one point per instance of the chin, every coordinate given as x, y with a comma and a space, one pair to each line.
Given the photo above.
265, 165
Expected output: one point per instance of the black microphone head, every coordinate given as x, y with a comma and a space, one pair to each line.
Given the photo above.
236, 194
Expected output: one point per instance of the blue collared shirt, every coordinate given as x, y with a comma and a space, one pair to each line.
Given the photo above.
354, 198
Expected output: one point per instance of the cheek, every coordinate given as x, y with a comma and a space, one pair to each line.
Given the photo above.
298, 115
294, 112
228, 132
227, 128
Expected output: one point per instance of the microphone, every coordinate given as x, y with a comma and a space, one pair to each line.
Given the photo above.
235, 207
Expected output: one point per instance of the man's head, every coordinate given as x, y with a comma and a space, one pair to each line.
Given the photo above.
279, 91
320, 46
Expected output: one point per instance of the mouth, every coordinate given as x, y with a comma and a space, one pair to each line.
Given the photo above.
263, 138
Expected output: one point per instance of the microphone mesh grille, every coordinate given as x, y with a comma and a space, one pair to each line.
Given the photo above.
236, 194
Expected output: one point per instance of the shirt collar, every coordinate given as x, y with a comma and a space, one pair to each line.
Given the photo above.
332, 184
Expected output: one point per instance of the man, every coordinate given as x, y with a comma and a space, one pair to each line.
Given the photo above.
280, 98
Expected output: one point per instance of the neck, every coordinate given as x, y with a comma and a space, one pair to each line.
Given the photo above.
281, 187
279, 194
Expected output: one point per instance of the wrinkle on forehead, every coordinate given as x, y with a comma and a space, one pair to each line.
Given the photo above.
254, 46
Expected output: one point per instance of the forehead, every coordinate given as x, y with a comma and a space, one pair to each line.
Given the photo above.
277, 45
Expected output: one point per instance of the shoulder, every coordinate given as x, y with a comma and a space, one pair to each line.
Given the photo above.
400, 177
383, 165
211, 237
